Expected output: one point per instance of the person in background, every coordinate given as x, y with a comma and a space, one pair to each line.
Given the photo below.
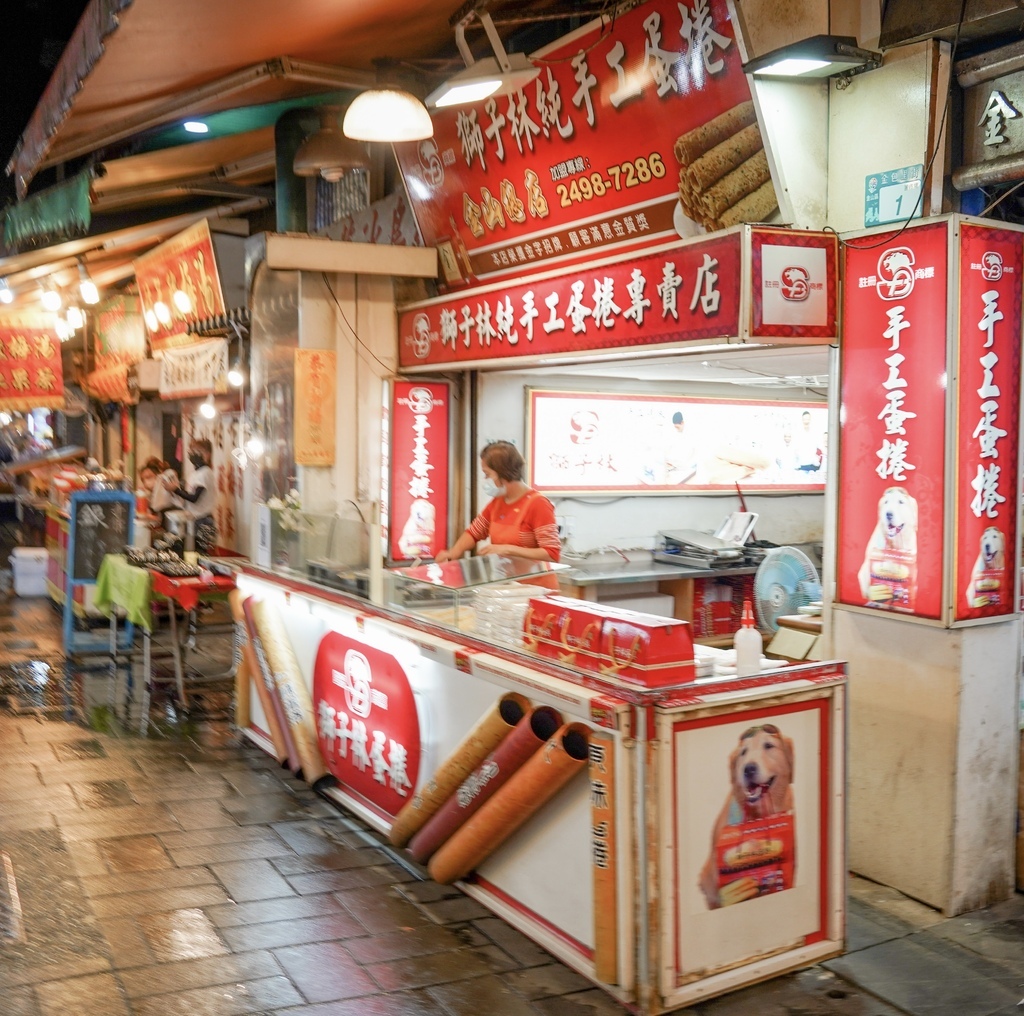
519, 521
200, 498
158, 497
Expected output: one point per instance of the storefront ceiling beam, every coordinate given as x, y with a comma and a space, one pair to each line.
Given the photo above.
151, 193
315, 254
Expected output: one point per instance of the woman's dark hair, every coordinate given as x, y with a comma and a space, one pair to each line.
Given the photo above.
154, 465
204, 447
504, 458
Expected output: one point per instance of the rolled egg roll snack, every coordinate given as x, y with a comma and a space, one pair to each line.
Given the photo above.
755, 207
724, 158
295, 697
488, 733
736, 185
531, 787
693, 144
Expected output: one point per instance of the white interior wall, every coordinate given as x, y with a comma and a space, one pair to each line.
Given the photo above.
631, 521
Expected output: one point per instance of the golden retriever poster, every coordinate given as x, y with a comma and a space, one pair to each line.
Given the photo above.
753, 840
888, 574
988, 576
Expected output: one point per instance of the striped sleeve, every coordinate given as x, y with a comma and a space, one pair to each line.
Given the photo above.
541, 520
480, 527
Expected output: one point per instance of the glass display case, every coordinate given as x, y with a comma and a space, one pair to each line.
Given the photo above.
483, 595
329, 550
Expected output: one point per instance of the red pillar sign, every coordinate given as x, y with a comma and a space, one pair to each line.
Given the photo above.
988, 421
893, 413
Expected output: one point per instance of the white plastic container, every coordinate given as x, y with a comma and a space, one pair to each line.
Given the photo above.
29, 567
748, 643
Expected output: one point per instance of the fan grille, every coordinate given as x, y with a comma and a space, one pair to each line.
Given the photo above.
785, 581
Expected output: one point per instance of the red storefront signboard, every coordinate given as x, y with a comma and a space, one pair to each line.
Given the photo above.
418, 479
31, 376
988, 421
367, 725
186, 265
584, 159
892, 462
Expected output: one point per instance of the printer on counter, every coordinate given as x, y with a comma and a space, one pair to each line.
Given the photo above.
695, 549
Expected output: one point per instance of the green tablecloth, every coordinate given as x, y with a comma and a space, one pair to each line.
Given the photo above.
123, 585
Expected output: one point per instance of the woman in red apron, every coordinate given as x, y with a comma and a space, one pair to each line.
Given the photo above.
519, 521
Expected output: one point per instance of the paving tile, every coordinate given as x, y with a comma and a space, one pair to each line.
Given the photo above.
26, 821
135, 853
161, 979
595, 1002
260, 996
85, 771
181, 935
324, 972
143, 881
428, 892
232, 833
866, 926
219, 853
331, 858
97, 993
246, 881
109, 828
541, 982
128, 946
238, 915
159, 900
398, 1003
481, 995
104, 794
274, 934
206, 813
21, 1002
12, 976
513, 942
380, 948
453, 911
267, 808
381, 911
420, 971
306, 837
77, 750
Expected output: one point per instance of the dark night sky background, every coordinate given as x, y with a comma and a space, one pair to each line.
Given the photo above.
33, 37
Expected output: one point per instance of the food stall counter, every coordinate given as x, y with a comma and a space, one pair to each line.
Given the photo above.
590, 810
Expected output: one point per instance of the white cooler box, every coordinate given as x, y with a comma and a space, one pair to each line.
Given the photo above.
29, 566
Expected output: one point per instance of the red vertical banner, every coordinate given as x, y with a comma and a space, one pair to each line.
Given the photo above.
418, 480
893, 425
31, 376
988, 421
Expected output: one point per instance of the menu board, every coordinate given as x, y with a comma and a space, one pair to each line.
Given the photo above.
613, 442
101, 524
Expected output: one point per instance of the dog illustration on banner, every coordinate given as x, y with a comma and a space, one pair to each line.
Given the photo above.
989, 571
888, 576
417, 538
753, 843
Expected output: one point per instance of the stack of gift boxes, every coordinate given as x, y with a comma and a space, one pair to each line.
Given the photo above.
718, 605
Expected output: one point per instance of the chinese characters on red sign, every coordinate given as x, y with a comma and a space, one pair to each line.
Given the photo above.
688, 292
583, 158
892, 466
418, 482
30, 365
988, 421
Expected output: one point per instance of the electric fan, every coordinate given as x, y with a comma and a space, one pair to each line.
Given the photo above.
785, 581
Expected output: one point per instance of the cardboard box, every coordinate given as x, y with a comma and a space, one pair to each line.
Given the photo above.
29, 567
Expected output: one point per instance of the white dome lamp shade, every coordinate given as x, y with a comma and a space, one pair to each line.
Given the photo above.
387, 114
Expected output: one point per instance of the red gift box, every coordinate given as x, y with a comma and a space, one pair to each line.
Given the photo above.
638, 648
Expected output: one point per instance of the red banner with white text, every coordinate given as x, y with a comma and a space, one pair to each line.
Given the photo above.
418, 482
893, 426
988, 421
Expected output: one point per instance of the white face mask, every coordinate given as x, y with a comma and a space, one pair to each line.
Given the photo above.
491, 489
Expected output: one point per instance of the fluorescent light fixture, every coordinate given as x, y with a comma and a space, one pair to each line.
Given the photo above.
86, 287
182, 301
196, 127
501, 74
75, 318
50, 300
207, 409
235, 376
387, 114
6, 294
327, 150
821, 56
163, 312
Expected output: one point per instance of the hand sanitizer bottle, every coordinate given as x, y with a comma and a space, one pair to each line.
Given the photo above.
747, 643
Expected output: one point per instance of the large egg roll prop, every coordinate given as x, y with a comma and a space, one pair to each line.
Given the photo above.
528, 736
291, 687
243, 714
266, 683
494, 725
252, 668
544, 774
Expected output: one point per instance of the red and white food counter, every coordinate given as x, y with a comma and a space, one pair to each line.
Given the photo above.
669, 837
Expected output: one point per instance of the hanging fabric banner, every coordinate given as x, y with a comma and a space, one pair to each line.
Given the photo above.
30, 364
314, 407
120, 332
198, 370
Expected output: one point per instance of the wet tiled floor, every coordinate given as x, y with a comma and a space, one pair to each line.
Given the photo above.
185, 874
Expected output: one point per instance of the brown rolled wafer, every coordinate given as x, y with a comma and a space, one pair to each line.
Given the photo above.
743, 180
532, 786
687, 198
724, 158
291, 686
755, 207
690, 146
265, 691
488, 733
